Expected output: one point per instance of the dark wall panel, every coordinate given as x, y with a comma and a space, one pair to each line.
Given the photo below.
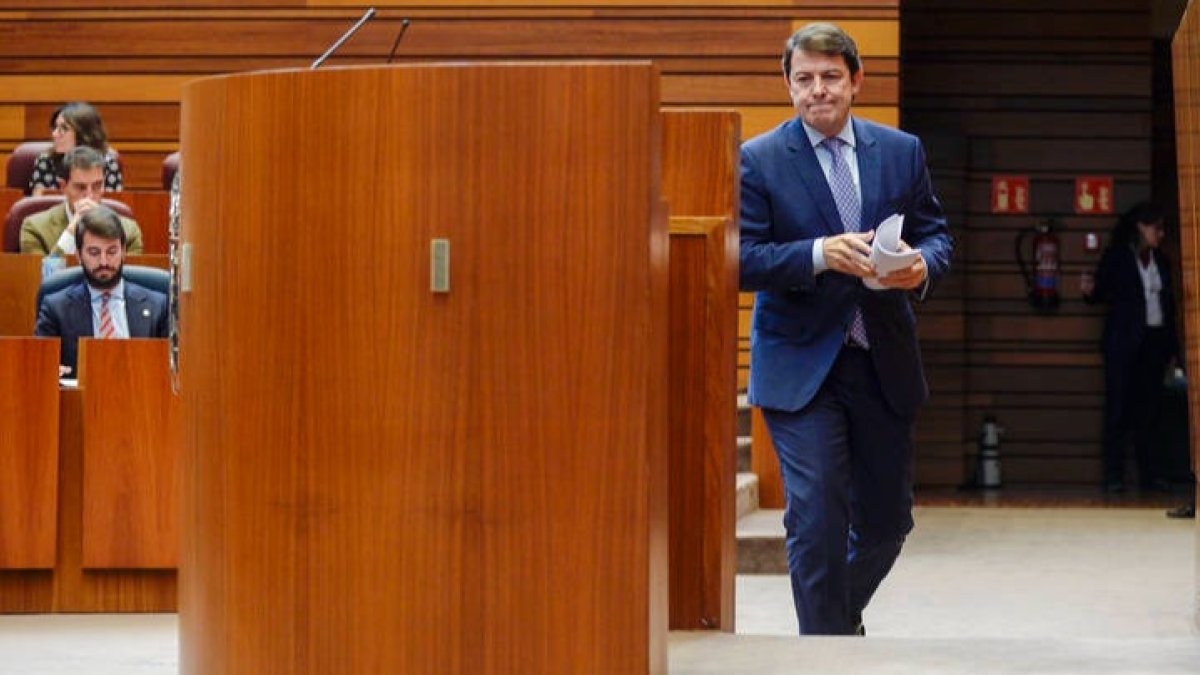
1051, 91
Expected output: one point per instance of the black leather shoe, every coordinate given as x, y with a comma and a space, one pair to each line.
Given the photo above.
1114, 487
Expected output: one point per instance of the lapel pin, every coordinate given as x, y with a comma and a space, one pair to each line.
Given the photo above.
145, 312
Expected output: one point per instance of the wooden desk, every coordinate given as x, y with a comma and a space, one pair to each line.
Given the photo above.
150, 209
20, 275
126, 463
28, 452
131, 458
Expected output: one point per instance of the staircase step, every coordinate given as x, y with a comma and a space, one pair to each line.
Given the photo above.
760, 543
747, 493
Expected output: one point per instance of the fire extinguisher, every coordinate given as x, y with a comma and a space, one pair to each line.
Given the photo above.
987, 472
1042, 276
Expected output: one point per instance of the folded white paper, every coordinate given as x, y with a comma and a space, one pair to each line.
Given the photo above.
885, 251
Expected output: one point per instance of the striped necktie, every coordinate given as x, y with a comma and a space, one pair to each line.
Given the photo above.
841, 184
108, 330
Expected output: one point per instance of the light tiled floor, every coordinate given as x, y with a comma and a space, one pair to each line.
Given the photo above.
1019, 573
995, 591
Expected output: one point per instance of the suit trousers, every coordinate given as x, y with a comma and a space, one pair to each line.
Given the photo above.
846, 461
1132, 402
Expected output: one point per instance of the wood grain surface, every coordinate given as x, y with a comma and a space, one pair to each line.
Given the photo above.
1186, 60
700, 184
20, 276
69, 587
130, 455
383, 479
28, 452
716, 53
703, 447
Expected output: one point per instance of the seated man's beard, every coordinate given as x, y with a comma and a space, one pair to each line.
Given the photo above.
103, 284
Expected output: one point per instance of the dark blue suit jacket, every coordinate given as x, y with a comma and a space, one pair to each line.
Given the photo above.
1119, 283
67, 314
800, 321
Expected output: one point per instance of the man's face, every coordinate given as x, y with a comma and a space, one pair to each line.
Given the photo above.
102, 260
84, 184
822, 90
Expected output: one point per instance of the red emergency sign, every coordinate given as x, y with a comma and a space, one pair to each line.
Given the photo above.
1093, 195
1010, 194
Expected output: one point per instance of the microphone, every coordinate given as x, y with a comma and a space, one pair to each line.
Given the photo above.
345, 36
403, 30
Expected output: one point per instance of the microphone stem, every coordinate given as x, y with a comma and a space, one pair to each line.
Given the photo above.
345, 36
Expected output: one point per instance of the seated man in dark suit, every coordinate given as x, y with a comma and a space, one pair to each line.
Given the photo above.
53, 231
104, 305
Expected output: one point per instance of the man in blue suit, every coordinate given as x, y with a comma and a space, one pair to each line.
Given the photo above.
835, 366
103, 305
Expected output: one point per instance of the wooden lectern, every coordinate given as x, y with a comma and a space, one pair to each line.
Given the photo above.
383, 477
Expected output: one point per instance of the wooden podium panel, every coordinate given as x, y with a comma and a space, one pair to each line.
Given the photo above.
703, 461
20, 276
700, 164
130, 455
700, 181
384, 479
28, 452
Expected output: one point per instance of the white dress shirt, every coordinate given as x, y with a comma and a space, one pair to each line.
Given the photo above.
116, 308
1152, 287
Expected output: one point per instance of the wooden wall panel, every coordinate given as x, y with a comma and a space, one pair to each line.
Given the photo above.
1185, 52
718, 53
1052, 92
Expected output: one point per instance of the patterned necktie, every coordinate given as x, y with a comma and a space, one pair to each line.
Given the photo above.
108, 329
841, 184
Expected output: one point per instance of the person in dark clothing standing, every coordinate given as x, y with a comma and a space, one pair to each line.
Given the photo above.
1139, 342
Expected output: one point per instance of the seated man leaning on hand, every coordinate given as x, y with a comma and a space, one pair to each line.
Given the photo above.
103, 305
53, 230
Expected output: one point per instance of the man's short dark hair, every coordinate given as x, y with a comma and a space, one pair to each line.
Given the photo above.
822, 38
80, 157
102, 222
